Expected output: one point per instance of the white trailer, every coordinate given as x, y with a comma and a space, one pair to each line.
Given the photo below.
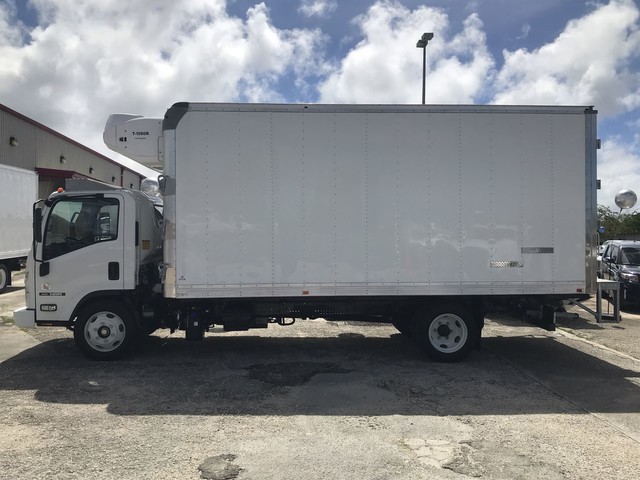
422, 216
18, 192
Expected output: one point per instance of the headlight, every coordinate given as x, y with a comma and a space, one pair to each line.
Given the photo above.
629, 277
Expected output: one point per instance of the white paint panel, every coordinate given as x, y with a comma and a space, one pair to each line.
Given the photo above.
476, 196
317, 203
18, 190
412, 199
290, 216
281, 200
507, 160
382, 208
348, 197
444, 201
569, 189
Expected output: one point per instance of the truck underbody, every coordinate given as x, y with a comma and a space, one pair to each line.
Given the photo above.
445, 327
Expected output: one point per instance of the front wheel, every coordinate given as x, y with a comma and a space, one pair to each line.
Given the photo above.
446, 333
105, 330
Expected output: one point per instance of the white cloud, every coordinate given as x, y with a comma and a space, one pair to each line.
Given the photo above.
12, 30
89, 59
11, 35
618, 169
317, 8
526, 29
588, 63
631, 101
385, 67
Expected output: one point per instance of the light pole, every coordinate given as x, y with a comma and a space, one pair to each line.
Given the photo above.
422, 43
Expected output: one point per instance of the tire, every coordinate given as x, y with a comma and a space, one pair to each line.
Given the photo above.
5, 275
105, 330
446, 333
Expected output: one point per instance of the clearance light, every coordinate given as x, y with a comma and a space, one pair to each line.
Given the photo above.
60, 190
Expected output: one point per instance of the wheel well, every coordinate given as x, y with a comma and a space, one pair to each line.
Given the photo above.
122, 296
474, 304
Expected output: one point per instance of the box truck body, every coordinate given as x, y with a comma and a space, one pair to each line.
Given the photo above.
18, 192
387, 201
424, 216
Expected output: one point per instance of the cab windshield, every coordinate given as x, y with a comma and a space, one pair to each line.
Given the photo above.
75, 223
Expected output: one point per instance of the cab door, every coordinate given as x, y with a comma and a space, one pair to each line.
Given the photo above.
81, 253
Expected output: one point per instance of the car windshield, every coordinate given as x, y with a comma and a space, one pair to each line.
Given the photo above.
630, 256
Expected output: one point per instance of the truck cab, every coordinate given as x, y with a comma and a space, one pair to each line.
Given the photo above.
93, 250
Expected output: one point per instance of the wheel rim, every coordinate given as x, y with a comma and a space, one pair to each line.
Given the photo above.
3, 278
448, 333
104, 331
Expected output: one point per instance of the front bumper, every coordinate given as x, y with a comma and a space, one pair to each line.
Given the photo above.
24, 317
631, 292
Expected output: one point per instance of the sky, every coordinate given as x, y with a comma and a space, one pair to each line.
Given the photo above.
70, 63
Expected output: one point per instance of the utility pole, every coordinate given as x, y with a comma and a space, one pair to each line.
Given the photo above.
422, 43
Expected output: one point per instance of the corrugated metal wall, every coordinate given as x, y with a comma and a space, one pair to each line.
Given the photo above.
23, 154
37, 148
55, 153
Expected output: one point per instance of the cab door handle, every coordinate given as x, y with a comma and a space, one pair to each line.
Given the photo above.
114, 271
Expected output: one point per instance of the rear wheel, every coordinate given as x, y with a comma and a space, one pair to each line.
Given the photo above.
4, 277
447, 333
105, 330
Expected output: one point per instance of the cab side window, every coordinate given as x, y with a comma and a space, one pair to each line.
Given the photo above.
76, 223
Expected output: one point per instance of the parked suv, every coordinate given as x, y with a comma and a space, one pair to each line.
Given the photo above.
603, 247
621, 262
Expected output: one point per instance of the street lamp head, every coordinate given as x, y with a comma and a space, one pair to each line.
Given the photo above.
424, 40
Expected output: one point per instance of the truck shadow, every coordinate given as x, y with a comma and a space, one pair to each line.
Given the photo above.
578, 324
346, 375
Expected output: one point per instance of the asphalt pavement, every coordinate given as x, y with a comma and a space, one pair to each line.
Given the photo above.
324, 400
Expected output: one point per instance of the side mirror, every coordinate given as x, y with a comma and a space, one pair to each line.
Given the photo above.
37, 225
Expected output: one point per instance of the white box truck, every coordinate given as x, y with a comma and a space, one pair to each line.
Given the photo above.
18, 191
421, 216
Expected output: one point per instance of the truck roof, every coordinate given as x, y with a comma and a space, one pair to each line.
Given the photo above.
177, 110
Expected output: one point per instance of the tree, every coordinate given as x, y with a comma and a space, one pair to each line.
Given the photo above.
610, 221
618, 225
